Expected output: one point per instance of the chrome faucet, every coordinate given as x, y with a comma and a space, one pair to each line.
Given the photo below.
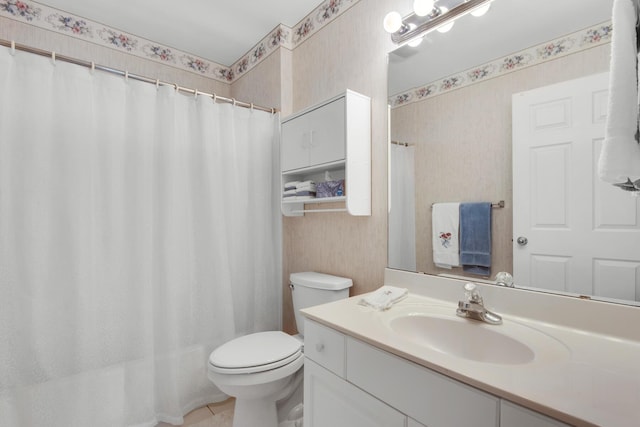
473, 308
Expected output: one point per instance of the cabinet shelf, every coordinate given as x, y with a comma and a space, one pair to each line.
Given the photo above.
315, 201
331, 166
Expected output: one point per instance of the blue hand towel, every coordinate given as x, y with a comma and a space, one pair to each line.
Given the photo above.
475, 238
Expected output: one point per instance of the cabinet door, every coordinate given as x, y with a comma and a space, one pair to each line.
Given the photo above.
329, 401
294, 148
512, 415
424, 395
327, 129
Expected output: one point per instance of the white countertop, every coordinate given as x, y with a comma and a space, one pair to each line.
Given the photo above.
594, 380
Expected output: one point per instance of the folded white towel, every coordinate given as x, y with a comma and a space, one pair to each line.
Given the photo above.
384, 297
620, 153
291, 185
306, 187
305, 184
445, 220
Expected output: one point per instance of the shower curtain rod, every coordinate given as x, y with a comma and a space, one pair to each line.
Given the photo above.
89, 64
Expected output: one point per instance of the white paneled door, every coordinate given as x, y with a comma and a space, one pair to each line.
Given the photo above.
572, 232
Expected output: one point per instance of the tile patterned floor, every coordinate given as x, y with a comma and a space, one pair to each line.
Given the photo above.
212, 415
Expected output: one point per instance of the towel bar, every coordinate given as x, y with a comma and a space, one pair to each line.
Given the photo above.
500, 204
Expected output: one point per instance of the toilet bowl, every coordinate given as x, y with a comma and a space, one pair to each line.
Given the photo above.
264, 369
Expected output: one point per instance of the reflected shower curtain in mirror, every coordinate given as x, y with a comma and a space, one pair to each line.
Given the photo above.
139, 229
402, 211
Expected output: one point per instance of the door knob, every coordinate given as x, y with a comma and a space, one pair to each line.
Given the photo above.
522, 241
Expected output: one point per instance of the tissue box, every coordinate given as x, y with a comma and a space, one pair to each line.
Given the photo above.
330, 188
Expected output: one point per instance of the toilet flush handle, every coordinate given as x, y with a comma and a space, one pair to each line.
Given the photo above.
319, 347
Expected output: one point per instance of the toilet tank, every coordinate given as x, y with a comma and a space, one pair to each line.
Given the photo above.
311, 288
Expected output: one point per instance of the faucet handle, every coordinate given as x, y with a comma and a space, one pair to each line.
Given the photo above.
471, 293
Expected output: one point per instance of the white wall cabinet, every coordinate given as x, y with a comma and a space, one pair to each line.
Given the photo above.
350, 383
333, 136
316, 137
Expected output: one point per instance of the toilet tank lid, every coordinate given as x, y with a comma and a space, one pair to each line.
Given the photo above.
311, 279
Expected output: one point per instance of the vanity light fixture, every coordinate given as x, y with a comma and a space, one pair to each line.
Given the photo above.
429, 16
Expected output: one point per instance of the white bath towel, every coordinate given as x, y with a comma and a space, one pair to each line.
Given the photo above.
445, 220
384, 297
620, 154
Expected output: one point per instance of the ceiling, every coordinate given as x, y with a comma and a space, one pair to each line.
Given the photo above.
217, 30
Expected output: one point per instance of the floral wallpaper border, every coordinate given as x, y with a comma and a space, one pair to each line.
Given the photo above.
53, 19
566, 45
284, 36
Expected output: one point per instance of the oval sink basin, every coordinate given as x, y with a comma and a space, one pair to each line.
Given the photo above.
510, 343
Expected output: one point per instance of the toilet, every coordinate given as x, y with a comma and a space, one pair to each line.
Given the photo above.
263, 371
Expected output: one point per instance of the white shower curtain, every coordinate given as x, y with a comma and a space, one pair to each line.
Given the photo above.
139, 229
402, 208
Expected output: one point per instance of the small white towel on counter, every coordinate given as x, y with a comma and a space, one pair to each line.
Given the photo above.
620, 154
445, 220
384, 297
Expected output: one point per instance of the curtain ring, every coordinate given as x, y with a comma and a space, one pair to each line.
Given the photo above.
234, 101
53, 58
93, 67
214, 98
195, 94
177, 87
157, 83
13, 47
252, 106
126, 76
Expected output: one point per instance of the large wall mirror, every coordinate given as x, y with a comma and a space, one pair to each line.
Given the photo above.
452, 134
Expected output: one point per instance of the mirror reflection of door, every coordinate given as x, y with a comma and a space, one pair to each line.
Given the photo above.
572, 232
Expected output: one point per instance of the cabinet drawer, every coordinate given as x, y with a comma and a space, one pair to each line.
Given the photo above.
424, 395
324, 346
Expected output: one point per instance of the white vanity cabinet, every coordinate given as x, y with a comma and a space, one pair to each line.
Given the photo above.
333, 136
330, 401
351, 383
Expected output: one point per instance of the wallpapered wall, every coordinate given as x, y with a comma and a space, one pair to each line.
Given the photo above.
30, 35
349, 53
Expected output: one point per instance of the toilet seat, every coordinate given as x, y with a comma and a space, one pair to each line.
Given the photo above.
259, 352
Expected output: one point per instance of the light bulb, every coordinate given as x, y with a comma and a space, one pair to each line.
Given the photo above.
423, 7
415, 42
481, 10
448, 26
392, 22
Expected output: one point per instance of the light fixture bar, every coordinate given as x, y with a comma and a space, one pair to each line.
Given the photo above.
425, 27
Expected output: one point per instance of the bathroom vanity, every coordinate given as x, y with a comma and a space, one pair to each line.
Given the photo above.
554, 361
